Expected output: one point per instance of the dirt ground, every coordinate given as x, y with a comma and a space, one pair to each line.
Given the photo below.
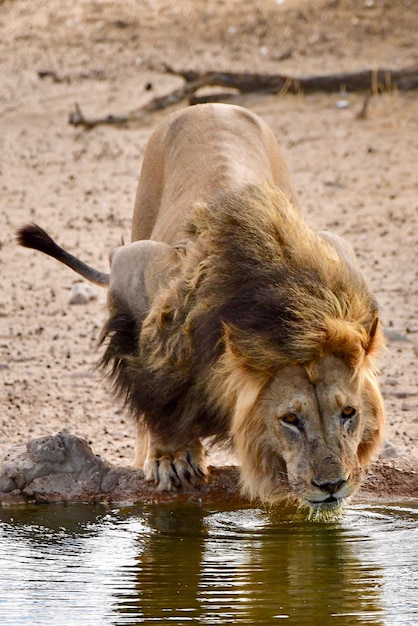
356, 177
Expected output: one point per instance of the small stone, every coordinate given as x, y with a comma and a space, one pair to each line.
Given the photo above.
81, 293
389, 450
394, 335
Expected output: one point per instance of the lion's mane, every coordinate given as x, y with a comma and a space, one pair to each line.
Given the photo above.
258, 289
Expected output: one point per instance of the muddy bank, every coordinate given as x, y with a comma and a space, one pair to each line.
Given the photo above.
64, 468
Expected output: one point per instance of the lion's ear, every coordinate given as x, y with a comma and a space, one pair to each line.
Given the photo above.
375, 336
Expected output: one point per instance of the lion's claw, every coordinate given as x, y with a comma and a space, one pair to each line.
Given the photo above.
179, 470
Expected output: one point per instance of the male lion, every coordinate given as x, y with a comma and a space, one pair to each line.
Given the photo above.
229, 317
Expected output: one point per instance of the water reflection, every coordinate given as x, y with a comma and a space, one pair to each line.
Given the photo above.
188, 564
303, 572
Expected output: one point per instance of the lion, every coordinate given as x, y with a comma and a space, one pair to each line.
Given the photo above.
232, 320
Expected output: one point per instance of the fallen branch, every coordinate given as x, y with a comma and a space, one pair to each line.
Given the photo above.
69, 78
63, 468
77, 118
373, 81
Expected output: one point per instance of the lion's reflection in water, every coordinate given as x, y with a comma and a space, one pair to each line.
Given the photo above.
253, 567
192, 564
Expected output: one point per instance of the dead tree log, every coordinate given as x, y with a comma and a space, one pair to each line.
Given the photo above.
373, 81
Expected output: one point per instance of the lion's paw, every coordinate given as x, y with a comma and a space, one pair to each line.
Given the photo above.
171, 471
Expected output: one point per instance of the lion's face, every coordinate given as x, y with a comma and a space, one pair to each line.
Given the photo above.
308, 435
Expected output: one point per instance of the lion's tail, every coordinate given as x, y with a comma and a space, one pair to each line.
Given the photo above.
33, 236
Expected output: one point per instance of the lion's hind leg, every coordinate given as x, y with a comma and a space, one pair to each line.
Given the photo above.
171, 468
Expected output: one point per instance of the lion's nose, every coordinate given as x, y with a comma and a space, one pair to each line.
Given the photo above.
330, 487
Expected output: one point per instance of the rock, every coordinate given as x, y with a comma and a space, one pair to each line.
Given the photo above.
389, 450
59, 464
63, 468
81, 293
395, 335
406, 406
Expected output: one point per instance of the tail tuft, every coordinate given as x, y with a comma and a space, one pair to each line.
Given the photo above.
33, 236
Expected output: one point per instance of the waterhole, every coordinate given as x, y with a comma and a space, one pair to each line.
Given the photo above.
165, 564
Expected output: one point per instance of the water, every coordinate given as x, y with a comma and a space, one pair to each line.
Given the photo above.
84, 565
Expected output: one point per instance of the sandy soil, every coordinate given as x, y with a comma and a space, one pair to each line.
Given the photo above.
358, 178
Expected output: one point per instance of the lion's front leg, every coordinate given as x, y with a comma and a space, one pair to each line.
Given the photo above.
171, 468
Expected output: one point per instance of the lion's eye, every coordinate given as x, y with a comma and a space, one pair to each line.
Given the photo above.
348, 412
291, 419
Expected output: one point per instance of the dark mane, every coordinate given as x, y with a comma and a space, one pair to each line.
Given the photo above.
253, 271
280, 288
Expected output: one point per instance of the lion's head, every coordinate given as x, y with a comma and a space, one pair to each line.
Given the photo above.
308, 432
